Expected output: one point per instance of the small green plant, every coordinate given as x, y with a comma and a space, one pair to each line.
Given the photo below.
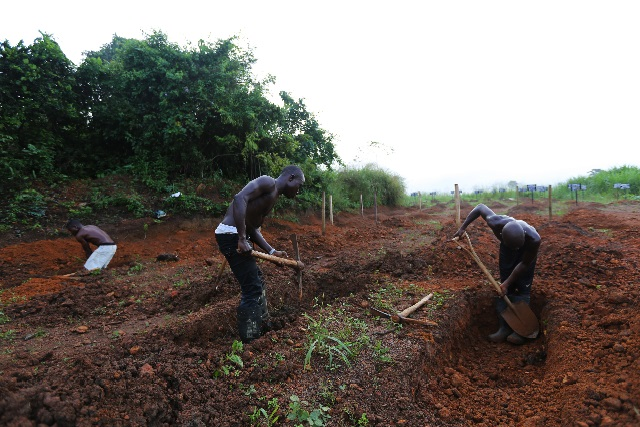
278, 356
381, 353
181, 283
136, 268
385, 296
325, 344
250, 390
363, 421
4, 318
439, 299
232, 357
301, 416
266, 417
9, 335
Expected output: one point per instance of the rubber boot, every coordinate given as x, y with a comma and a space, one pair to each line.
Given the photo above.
516, 339
264, 313
249, 323
502, 333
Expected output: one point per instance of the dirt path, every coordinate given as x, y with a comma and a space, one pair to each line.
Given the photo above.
151, 343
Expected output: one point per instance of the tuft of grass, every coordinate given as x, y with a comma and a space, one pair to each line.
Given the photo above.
323, 342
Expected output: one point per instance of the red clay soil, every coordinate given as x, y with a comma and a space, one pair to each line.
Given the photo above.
149, 343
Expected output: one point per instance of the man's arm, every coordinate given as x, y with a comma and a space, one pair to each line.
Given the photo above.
479, 211
257, 237
85, 245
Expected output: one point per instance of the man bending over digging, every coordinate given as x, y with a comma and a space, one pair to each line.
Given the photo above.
519, 244
91, 234
240, 229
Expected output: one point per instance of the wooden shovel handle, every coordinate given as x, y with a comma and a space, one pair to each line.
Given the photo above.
298, 265
407, 311
484, 269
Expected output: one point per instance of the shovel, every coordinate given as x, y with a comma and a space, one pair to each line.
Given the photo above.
519, 315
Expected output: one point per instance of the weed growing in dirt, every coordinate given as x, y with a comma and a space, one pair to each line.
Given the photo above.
251, 390
279, 357
136, 268
266, 417
11, 299
4, 318
181, 283
381, 352
8, 336
232, 357
384, 297
327, 393
301, 416
439, 299
325, 344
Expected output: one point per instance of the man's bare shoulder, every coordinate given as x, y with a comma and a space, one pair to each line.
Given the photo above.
257, 187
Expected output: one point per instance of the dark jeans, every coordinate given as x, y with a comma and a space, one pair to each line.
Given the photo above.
244, 268
508, 261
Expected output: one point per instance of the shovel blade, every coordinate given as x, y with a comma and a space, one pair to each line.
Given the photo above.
521, 319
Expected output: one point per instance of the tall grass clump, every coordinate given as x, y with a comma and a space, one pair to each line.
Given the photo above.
372, 182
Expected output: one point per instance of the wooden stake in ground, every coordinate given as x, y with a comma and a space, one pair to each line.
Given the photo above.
296, 253
324, 225
457, 197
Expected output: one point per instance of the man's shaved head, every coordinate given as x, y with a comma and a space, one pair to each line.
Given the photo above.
513, 235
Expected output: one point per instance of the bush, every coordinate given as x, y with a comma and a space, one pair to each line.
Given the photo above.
28, 205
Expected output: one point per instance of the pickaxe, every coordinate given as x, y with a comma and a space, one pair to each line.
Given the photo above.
295, 264
403, 316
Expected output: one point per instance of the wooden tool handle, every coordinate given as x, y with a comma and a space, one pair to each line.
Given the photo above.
414, 307
484, 269
298, 265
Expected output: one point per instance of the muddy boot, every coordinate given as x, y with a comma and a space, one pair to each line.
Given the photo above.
502, 333
516, 339
264, 314
249, 323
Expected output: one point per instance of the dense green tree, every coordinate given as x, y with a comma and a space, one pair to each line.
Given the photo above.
166, 111
39, 120
152, 108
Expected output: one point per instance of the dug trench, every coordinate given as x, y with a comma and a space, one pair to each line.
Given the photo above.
151, 343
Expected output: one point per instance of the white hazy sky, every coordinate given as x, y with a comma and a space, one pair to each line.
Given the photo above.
475, 93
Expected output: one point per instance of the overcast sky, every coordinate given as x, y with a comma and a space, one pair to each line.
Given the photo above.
475, 93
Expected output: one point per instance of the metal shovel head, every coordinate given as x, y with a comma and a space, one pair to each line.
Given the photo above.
521, 319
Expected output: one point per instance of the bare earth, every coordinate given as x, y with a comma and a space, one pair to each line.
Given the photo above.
145, 343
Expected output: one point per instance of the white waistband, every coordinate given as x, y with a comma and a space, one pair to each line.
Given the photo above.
226, 229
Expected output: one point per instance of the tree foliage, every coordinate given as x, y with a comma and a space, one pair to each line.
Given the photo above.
39, 117
152, 108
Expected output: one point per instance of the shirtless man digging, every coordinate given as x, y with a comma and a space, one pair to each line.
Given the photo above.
239, 230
